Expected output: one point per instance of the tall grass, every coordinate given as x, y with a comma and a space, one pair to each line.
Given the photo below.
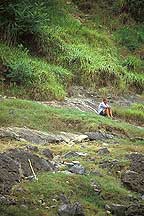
40, 79
55, 32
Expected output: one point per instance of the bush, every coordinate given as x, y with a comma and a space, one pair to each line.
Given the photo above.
19, 17
42, 80
131, 37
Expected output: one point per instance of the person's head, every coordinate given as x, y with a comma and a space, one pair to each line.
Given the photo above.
105, 100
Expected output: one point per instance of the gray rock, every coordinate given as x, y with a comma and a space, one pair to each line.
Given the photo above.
118, 210
136, 209
77, 169
98, 136
96, 187
103, 151
47, 153
134, 177
14, 165
5, 200
111, 165
39, 137
71, 210
133, 180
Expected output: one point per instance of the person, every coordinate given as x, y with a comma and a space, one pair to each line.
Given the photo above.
104, 109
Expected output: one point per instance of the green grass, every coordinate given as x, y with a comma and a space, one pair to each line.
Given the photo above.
135, 113
42, 117
34, 77
70, 49
40, 195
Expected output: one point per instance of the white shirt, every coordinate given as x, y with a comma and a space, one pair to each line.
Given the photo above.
102, 106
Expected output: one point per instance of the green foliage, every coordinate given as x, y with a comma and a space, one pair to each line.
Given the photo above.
132, 62
131, 37
40, 79
134, 113
19, 17
58, 35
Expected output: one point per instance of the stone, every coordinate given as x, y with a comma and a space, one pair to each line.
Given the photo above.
39, 137
96, 187
5, 200
98, 136
14, 166
47, 153
133, 180
77, 169
118, 210
103, 151
111, 165
135, 209
71, 210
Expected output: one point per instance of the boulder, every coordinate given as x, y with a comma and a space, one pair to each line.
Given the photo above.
14, 165
118, 210
111, 165
136, 209
133, 180
71, 210
77, 169
98, 136
134, 177
39, 137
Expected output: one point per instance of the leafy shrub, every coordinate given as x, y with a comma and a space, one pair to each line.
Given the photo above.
131, 37
132, 62
18, 17
42, 79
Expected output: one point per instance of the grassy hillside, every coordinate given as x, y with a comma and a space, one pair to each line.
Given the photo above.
42, 197
46, 46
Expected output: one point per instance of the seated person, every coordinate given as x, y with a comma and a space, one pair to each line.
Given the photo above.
104, 109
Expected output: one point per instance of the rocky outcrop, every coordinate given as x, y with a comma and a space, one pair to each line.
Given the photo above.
70, 209
98, 135
14, 166
134, 177
134, 209
39, 137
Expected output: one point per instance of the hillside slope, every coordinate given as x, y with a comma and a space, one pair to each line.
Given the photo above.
47, 46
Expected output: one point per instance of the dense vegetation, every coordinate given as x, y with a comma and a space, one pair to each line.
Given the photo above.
46, 46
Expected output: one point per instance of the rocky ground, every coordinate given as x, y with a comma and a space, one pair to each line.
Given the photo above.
98, 172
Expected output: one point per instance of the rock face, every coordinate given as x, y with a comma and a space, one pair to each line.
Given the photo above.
111, 165
118, 210
38, 137
77, 169
134, 177
135, 210
47, 153
68, 209
14, 165
98, 136
71, 210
